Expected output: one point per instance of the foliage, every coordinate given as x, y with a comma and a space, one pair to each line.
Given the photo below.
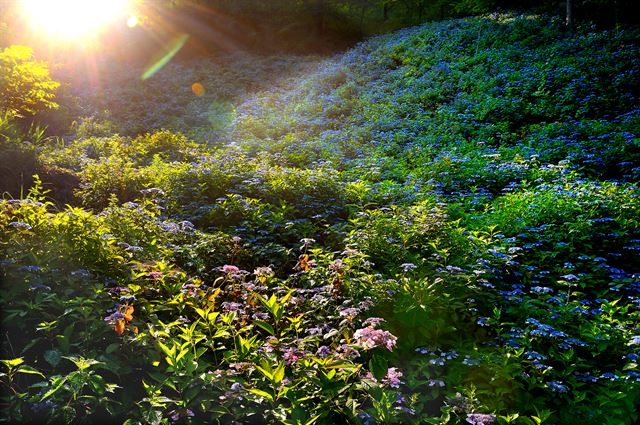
440, 225
25, 84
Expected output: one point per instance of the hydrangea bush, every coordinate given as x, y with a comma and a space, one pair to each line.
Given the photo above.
440, 225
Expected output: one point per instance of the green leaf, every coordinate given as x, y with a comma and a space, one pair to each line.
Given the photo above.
261, 393
29, 370
264, 325
266, 372
57, 382
278, 374
13, 362
112, 348
378, 366
182, 354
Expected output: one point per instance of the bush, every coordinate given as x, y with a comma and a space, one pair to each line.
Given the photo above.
25, 84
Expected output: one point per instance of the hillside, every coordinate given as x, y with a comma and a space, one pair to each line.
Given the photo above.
441, 225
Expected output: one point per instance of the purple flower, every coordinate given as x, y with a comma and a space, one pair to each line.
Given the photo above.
230, 269
393, 377
154, 275
20, 225
349, 312
292, 355
480, 418
180, 413
114, 316
336, 265
152, 191
237, 386
406, 267
558, 386
231, 306
370, 338
118, 290
323, 351
373, 321
635, 340
347, 351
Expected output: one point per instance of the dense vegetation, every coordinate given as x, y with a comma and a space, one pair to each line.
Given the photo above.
441, 225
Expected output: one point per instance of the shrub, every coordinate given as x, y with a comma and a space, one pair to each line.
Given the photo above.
25, 85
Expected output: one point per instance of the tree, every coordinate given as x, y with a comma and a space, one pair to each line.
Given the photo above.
25, 84
570, 15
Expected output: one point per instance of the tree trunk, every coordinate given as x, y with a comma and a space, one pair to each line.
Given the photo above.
570, 15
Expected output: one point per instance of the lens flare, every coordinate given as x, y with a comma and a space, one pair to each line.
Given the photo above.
132, 21
73, 19
197, 89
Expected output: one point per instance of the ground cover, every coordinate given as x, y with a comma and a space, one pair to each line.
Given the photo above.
440, 225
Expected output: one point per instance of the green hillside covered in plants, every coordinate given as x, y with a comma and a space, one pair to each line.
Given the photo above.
440, 225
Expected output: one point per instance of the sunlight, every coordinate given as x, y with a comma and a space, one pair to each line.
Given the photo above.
73, 19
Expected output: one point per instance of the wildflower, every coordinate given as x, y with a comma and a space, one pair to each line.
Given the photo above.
118, 290
349, 312
468, 361
175, 415
231, 306
292, 355
373, 321
370, 338
186, 225
20, 225
635, 340
347, 351
480, 418
407, 267
30, 269
236, 386
365, 304
263, 273
336, 265
323, 351
366, 418
154, 275
449, 355
541, 289
230, 269
558, 386
260, 316
152, 191
81, 273
609, 376
393, 377
534, 355
436, 383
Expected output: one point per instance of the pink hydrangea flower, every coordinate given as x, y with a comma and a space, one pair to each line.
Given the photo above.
370, 338
230, 269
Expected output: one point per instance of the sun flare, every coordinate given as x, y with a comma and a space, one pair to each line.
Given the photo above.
73, 19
